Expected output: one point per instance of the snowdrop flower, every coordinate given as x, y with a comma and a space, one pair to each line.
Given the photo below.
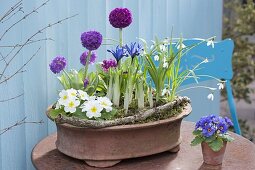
210, 42
152, 46
92, 108
83, 95
71, 106
165, 65
162, 47
210, 97
181, 46
72, 92
165, 91
156, 57
206, 60
64, 97
105, 103
58, 106
221, 86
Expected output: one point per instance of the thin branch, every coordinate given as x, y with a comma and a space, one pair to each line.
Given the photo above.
20, 69
12, 98
19, 10
23, 121
13, 8
31, 42
23, 18
30, 38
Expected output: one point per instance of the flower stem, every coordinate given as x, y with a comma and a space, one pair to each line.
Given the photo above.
121, 37
87, 65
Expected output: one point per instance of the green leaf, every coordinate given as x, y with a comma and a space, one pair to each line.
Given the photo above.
216, 144
109, 115
80, 114
197, 140
210, 139
227, 138
197, 132
55, 112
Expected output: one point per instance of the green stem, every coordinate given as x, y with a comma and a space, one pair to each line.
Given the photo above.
121, 37
69, 78
87, 65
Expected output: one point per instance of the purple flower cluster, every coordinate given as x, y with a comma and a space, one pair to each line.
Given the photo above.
120, 17
83, 58
111, 63
91, 40
210, 125
58, 64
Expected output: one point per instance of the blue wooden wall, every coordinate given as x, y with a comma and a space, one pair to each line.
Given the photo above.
200, 18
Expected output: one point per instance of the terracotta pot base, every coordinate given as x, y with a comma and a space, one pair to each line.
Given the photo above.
175, 149
102, 164
213, 158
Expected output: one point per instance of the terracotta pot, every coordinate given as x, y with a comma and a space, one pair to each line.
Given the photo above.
211, 157
107, 146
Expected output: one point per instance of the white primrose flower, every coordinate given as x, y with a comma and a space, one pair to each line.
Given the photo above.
71, 106
64, 97
156, 57
165, 65
92, 108
181, 46
210, 97
221, 86
83, 95
106, 103
72, 92
210, 42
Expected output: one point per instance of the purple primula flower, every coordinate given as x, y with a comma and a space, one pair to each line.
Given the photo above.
86, 83
208, 130
118, 53
222, 126
228, 121
91, 40
120, 17
58, 64
83, 58
133, 50
205, 121
109, 64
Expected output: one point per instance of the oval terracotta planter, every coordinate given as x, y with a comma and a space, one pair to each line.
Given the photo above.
106, 147
211, 157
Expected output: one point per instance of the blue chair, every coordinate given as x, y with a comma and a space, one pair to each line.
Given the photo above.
219, 66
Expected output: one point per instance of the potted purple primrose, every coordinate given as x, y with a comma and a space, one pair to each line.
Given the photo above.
117, 111
212, 133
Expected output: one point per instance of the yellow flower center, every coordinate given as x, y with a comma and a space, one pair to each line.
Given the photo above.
65, 97
93, 109
71, 104
104, 103
73, 94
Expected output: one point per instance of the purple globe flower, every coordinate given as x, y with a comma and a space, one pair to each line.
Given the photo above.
109, 64
86, 83
120, 17
83, 57
58, 64
91, 40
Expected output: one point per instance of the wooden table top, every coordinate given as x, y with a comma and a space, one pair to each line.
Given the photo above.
240, 154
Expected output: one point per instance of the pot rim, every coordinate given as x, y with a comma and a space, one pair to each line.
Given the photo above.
185, 112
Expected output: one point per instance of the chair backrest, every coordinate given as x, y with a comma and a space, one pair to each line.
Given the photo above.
219, 57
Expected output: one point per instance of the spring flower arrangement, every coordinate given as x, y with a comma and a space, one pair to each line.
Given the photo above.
212, 130
139, 76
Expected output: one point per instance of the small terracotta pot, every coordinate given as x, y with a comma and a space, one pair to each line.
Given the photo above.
211, 157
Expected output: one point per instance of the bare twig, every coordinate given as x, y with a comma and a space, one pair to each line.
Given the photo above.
16, 72
23, 18
30, 42
15, 12
29, 39
12, 98
10, 11
23, 121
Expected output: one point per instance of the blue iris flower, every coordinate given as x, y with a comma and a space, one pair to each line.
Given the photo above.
118, 53
133, 50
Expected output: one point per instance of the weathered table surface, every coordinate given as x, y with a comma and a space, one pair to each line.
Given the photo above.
240, 155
